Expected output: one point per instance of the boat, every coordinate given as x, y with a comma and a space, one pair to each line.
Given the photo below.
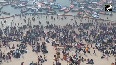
43, 8
33, 9
1, 8
4, 4
21, 5
66, 11
62, 9
91, 17
52, 12
7, 17
80, 13
102, 13
95, 15
108, 13
75, 10
35, 13
23, 11
16, 7
114, 11
13, 5
85, 16
28, 7
40, 9
46, 4
55, 7
48, 7
64, 15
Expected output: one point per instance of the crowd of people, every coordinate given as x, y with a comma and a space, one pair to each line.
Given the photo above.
99, 36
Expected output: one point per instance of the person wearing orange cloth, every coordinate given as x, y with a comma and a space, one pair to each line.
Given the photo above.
86, 49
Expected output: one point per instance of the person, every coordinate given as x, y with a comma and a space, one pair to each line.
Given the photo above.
112, 63
10, 57
79, 62
91, 46
31, 63
53, 63
81, 59
45, 58
7, 58
13, 47
103, 56
94, 52
58, 63
90, 62
76, 55
107, 57
22, 63
38, 59
84, 51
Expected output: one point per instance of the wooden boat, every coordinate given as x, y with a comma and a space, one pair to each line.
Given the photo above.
22, 6
4, 4
7, 17
66, 11
102, 13
13, 4
55, 7
80, 13
91, 17
52, 12
85, 16
23, 11
62, 9
75, 10
63, 15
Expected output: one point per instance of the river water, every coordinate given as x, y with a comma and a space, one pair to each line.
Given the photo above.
14, 11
